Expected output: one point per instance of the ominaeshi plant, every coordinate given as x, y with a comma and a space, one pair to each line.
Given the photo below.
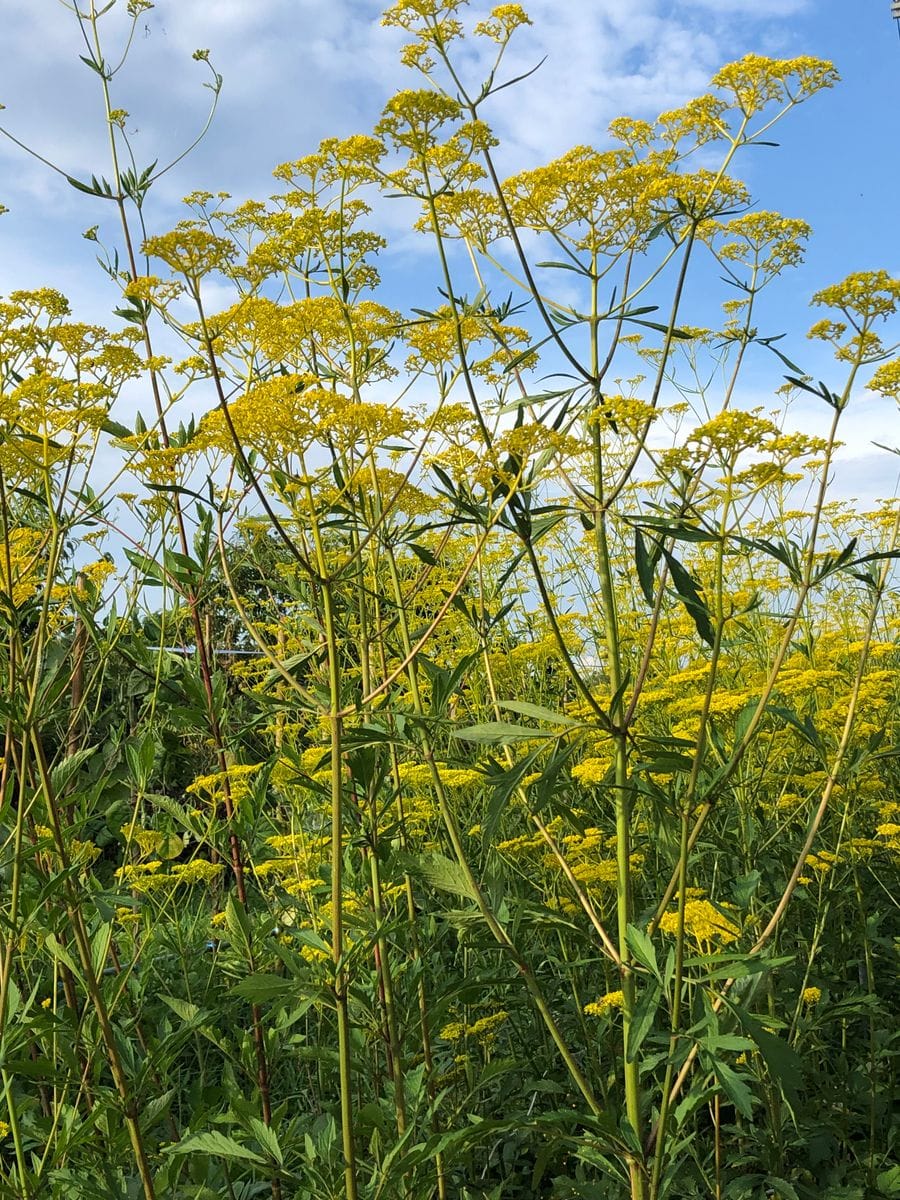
459, 759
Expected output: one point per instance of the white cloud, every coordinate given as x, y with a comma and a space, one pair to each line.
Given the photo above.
299, 70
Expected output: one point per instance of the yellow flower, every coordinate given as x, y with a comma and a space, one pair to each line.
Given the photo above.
864, 294
811, 996
605, 1005
591, 771
198, 871
821, 863
233, 783
594, 874
703, 922
191, 251
755, 81
887, 379
486, 1028
504, 19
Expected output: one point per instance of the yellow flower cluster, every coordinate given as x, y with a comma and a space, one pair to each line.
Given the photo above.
821, 862
756, 81
191, 251
504, 20
704, 922
234, 782
419, 775
484, 1030
606, 1004
147, 877
591, 771
79, 852
863, 294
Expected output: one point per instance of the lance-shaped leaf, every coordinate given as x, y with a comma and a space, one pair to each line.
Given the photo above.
691, 597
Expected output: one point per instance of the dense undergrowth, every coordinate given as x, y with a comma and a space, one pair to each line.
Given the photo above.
467, 767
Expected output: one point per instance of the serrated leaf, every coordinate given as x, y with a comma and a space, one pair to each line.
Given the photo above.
784, 1063
444, 874
62, 773
779, 1187
215, 1143
267, 1138
182, 1008
153, 1110
889, 1181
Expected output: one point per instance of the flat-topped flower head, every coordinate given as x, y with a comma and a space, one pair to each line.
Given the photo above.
504, 20
756, 81
191, 251
863, 294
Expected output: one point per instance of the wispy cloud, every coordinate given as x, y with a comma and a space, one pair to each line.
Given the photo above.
299, 70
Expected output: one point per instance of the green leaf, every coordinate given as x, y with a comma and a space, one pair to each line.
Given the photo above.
267, 1138
100, 940
805, 728
642, 1023
264, 986
310, 938
677, 529
726, 1043
666, 764
498, 733
238, 925
691, 597
444, 874
645, 564
889, 1181
780, 1187
98, 67
783, 1062
60, 953
214, 1143
91, 189
734, 1087
564, 266
744, 888
62, 773
538, 712
641, 946
154, 1110
182, 1008
115, 429
743, 719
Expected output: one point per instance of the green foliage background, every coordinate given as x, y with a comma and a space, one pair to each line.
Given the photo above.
462, 760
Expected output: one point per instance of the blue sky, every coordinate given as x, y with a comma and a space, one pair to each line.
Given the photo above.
296, 71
